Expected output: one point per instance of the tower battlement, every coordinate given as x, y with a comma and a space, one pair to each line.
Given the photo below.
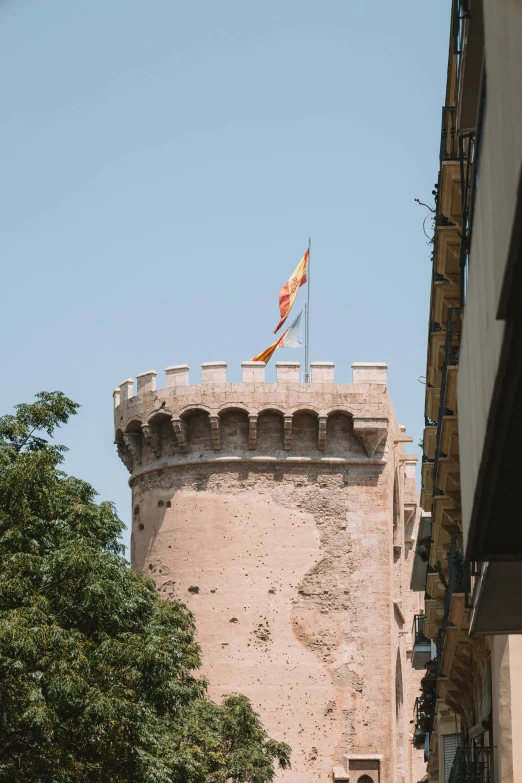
252, 420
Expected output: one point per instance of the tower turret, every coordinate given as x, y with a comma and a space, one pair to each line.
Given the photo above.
277, 512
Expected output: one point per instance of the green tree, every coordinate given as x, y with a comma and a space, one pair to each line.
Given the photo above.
97, 673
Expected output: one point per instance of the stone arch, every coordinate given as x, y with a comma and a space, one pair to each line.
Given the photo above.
134, 425
308, 409
340, 437
234, 429
305, 431
365, 779
270, 431
199, 434
159, 412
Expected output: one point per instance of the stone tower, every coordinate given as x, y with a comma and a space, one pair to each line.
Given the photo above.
283, 515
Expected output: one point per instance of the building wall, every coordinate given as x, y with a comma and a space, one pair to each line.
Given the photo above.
515, 648
287, 559
496, 194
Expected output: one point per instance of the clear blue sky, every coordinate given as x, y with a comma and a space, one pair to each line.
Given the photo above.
163, 165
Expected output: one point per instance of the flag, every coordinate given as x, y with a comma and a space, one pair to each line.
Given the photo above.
288, 293
292, 336
290, 339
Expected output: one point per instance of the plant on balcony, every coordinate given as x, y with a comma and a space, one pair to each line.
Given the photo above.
419, 737
439, 570
424, 723
428, 682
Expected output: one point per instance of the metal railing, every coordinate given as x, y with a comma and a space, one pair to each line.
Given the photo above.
467, 160
418, 629
440, 647
448, 135
458, 580
471, 765
451, 358
460, 16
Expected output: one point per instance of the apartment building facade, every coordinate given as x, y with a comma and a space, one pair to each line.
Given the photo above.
468, 717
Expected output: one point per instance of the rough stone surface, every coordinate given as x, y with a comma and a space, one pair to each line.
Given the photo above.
293, 551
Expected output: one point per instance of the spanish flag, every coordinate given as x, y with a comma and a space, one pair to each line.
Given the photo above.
288, 293
289, 339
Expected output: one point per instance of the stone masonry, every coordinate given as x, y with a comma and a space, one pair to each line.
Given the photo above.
283, 514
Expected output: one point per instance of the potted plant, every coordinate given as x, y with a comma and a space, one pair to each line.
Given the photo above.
419, 737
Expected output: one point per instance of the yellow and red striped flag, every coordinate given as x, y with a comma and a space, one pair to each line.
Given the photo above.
289, 339
288, 293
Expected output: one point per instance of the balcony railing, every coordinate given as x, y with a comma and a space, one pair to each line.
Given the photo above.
448, 135
460, 17
467, 165
458, 580
440, 646
418, 629
421, 652
451, 358
471, 765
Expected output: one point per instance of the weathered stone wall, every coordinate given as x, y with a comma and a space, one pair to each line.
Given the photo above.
270, 510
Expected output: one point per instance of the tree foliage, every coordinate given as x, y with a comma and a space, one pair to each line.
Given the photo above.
97, 673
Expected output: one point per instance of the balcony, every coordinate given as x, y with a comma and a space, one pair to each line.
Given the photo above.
422, 550
432, 402
455, 656
447, 249
447, 513
421, 652
471, 765
445, 295
466, 158
498, 585
429, 441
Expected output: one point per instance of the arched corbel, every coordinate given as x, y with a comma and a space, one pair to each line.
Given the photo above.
125, 455
321, 436
371, 432
287, 432
152, 437
133, 441
180, 431
252, 431
215, 431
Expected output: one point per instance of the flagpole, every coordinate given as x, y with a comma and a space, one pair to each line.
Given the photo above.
307, 317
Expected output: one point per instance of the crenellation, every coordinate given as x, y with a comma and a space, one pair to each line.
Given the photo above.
126, 390
214, 372
337, 421
253, 372
177, 375
369, 372
322, 372
287, 372
146, 381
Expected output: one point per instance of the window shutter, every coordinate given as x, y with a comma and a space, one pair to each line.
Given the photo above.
450, 748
